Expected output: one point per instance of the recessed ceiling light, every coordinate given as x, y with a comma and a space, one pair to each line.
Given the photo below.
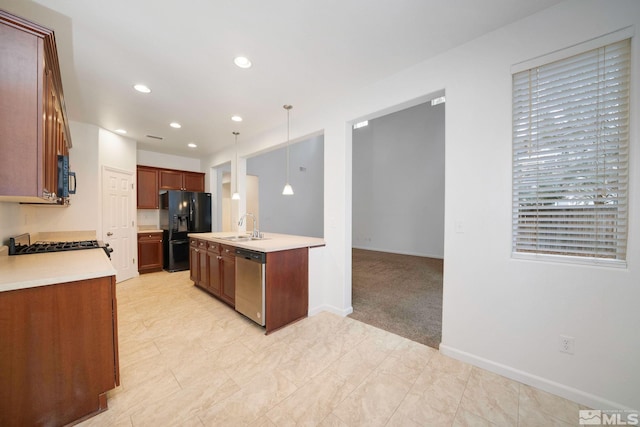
242, 62
121, 131
142, 88
236, 118
192, 145
175, 125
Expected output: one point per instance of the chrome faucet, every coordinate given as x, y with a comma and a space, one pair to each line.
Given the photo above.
256, 232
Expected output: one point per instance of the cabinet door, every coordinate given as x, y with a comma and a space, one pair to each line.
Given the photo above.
147, 191
203, 265
214, 273
194, 262
33, 128
21, 117
149, 252
59, 351
170, 180
228, 279
193, 181
50, 161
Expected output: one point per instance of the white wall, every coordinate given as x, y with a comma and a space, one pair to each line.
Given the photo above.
303, 213
168, 161
398, 182
500, 313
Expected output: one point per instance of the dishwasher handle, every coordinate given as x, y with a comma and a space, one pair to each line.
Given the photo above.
255, 256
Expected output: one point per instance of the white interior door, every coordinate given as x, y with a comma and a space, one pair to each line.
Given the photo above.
117, 221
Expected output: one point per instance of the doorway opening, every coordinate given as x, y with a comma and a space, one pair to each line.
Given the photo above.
398, 221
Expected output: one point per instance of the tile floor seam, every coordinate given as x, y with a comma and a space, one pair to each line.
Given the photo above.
466, 384
518, 413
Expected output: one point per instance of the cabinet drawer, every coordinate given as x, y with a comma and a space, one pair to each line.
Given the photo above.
144, 237
213, 247
194, 242
227, 250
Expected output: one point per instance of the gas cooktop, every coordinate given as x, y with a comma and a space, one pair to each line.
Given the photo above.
21, 245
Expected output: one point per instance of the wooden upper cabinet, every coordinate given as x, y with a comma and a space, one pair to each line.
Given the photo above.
170, 180
147, 187
193, 181
151, 180
33, 125
181, 180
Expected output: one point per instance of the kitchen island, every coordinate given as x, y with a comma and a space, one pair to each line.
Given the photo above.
286, 272
58, 329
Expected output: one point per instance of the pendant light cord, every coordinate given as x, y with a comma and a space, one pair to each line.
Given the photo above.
288, 110
236, 144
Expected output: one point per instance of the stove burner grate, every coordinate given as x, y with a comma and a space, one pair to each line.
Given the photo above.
41, 247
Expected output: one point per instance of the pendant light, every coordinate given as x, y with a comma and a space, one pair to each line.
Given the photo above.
236, 195
287, 191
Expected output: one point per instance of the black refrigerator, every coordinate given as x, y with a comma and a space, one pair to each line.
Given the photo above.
182, 212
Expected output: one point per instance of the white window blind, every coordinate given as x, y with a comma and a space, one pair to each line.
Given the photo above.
570, 155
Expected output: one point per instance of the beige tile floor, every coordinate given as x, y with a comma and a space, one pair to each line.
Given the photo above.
186, 359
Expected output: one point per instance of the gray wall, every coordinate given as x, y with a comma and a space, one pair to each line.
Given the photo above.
398, 182
300, 214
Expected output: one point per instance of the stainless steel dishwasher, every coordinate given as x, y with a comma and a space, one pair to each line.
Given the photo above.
250, 266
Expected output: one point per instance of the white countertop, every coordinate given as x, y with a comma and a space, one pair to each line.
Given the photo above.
148, 229
32, 270
271, 242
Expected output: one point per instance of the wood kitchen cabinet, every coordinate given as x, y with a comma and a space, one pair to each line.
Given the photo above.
151, 180
213, 263
286, 287
213, 269
147, 191
34, 128
286, 280
222, 272
198, 263
180, 180
59, 352
228, 274
150, 256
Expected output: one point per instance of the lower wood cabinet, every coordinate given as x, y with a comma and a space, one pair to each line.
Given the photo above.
58, 352
150, 255
213, 268
228, 274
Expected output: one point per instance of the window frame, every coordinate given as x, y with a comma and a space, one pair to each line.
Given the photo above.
608, 39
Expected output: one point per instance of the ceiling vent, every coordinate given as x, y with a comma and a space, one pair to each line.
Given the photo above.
155, 137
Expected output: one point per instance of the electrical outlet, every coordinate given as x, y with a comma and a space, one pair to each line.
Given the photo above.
566, 344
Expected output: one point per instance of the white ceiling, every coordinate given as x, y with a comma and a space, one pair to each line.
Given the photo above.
305, 53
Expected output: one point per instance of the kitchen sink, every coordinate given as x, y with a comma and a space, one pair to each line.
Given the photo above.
241, 238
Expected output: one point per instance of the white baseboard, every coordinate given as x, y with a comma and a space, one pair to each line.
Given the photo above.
331, 309
573, 394
397, 252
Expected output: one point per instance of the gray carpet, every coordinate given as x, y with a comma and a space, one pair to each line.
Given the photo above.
399, 293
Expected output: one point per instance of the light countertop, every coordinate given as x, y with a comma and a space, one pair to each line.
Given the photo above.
271, 242
33, 270
148, 229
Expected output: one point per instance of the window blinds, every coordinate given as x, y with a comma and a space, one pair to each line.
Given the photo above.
570, 155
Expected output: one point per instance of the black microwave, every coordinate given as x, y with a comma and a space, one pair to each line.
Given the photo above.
66, 179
